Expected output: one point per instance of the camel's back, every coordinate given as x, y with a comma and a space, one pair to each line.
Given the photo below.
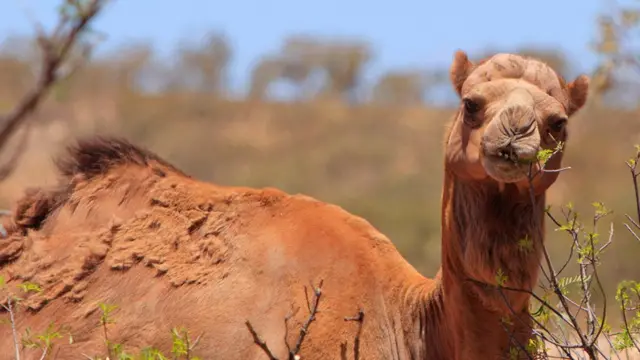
172, 251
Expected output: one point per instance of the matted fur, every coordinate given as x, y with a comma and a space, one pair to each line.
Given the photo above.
125, 227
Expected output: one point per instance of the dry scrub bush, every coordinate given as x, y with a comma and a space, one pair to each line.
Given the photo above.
567, 323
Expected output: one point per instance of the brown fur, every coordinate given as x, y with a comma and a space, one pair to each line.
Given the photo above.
126, 227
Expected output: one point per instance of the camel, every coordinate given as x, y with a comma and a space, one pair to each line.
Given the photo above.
262, 274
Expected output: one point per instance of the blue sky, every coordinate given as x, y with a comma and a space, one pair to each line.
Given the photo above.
404, 33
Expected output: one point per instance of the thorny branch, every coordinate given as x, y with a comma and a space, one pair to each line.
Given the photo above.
55, 48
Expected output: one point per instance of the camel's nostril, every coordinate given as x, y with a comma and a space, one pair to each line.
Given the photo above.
499, 141
517, 120
523, 128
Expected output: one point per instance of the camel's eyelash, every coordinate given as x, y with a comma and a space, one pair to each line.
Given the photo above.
557, 123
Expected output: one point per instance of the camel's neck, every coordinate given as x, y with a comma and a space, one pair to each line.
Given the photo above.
488, 235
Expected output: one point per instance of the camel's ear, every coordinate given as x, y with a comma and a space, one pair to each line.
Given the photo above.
460, 70
578, 92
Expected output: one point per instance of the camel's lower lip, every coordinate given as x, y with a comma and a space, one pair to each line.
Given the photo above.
501, 158
505, 169
508, 160
503, 162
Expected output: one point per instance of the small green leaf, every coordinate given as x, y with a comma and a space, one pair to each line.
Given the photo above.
513, 353
544, 155
501, 278
107, 309
28, 286
525, 244
565, 227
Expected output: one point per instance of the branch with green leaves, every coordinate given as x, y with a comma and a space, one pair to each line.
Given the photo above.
572, 325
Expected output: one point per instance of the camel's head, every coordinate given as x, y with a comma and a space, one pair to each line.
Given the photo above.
510, 108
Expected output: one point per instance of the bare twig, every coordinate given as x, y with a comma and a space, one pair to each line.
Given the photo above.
632, 221
356, 340
286, 328
44, 353
55, 48
556, 170
632, 165
312, 306
192, 346
634, 176
258, 340
632, 232
14, 331
626, 326
313, 310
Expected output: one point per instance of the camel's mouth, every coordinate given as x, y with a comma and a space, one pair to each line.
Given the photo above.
509, 160
503, 168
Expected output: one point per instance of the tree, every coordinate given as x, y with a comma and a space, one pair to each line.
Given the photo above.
400, 88
341, 62
267, 70
203, 66
616, 77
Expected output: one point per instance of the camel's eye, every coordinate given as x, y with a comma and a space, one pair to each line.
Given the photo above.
556, 125
470, 107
